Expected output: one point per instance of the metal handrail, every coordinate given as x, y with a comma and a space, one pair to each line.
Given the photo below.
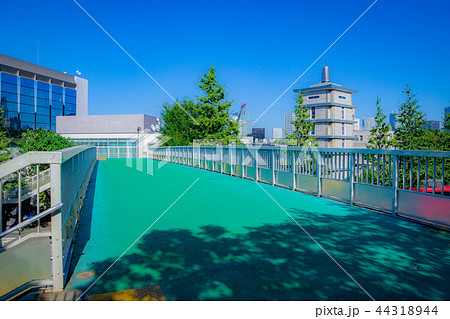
31, 220
421, 153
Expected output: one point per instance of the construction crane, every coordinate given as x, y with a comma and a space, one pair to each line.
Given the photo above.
240, 111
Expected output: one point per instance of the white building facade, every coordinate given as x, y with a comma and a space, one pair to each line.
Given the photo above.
288, 126
277, 133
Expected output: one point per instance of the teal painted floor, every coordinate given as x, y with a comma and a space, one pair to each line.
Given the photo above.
225, 239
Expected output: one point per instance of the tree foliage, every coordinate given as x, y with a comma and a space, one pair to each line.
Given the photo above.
4, 140
446, 122
303, 127
380, 136
42, 140
411, 120
177, 123
208, 118
213, 110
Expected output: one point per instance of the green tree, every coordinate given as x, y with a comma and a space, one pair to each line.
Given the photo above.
380, 137
177, 124
4, 140
42, 140
213, 110
446, 122
207, 119
411, 120
303, 127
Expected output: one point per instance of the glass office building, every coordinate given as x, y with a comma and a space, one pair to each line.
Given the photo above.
32, 96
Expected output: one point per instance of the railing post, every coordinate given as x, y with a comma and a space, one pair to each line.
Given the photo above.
318, 174
395, 176
230, 157
1, 208
293, 169
351, 162
242, 163
38, 209
19, 199
256, 164
273, 167
221, 159
56, 242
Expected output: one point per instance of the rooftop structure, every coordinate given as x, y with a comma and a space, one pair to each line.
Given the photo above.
121, 136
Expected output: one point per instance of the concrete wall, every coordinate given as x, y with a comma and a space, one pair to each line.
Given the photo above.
124, 123
82, 96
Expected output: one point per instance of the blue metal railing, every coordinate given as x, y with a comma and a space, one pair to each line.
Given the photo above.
414, 184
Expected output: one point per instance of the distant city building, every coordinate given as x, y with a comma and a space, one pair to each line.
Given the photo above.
277, 133
33, 96
361, 139
367, 123
331, 109
393, 120
289, 128
259, 133
433, 125
357, 125
244, 124
446, 109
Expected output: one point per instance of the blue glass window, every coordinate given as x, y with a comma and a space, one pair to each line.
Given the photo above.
342, 97
27, 117
43, 86
26, 91
43, 119
43, 110
56, 112
43, 126
26, 100
9, 97
10, 106
57, 97
43, 94
26, 125
27, 82
57, 89
11, 88
112, 142
26, 108
69, 113
11, 115
70, 92
9, 78
71, 99
42, 102
57, 105
53, 127
71, 107
313, 97
53, 120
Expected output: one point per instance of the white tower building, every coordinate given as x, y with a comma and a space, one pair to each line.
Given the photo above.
332, 111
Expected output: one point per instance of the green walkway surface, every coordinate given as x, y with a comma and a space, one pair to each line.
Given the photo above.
226, 239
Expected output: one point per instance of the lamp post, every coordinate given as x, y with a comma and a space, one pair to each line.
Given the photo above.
138, 141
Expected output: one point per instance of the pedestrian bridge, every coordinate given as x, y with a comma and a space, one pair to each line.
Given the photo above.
232, 222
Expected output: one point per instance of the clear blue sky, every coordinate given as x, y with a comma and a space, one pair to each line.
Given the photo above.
258, 47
